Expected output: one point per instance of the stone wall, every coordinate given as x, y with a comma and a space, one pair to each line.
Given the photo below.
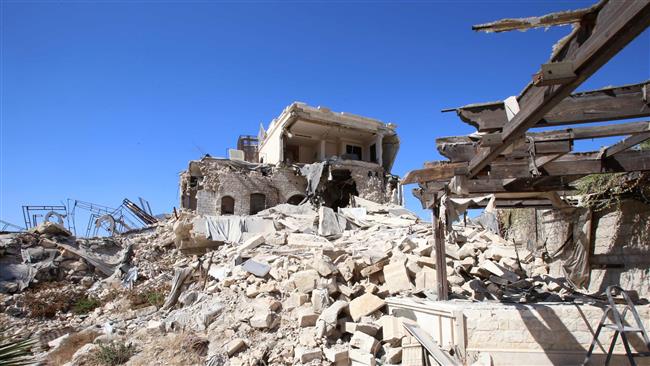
620, 236
541, 334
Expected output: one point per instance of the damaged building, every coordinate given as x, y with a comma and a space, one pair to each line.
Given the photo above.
306, 153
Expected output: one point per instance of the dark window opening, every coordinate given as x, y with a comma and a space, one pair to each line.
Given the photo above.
194, 181
227, 205
353, 152
337, 191
296, 199
373, 153
258, 203
291, 154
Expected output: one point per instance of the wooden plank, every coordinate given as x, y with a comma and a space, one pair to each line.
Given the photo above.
557, 18
439, 245
584, 133
607, 104
569, 165
626, 144
617, 24
432, 172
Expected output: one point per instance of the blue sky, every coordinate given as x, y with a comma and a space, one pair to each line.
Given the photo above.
106, 100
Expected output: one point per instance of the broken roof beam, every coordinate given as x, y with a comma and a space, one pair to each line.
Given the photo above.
552, 19
626, 144
607, 104
567, 165
588, 48
464, 148
434, 171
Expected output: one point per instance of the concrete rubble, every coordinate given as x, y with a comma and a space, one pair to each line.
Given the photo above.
281, 296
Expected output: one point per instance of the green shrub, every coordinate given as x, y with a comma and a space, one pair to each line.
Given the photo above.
84, 305
114, 353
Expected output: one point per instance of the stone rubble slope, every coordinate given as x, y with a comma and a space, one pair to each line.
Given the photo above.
308, 289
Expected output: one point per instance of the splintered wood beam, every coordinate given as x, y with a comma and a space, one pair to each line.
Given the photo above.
433, 172
575, 164
626, 144
552, 19
589, 47
584, 133
489, 185
607, 104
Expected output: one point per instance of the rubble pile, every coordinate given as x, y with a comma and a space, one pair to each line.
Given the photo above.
292, 284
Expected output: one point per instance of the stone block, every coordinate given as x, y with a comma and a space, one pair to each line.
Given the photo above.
320, 300
295, 300
235, 346
364, 305
306, 355
323, 265
397, 278
359, 357
336, 355
305, 281
306, 317
365, 342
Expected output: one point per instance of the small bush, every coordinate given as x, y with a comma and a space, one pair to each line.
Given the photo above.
84, 305
114, 353
152, 296
47, 305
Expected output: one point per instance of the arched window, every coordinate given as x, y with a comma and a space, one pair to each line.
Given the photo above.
227, 205
296, 199
258, 203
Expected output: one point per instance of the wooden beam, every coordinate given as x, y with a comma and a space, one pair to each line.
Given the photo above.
589, 47
607, 104
433, 172
569, 165
585, 133
439, 243
626, 144
558, 18
464, 148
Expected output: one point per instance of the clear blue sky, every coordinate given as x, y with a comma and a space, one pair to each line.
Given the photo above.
106, 100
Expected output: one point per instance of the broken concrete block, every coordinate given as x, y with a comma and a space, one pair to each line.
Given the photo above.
235, 346
397, 278
263, 320
252, 243
336, 355
306, 240
306, 355
320, 300
359, 357
305, 281
364, 305
328, 223
426, 279
256, 268
323, 265
499, 271
392, 329
306, 317
295, 300
467, 250
328, 319
368, 328
496, 253
365, 342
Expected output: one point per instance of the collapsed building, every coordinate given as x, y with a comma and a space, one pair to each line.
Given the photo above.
306, 153
295, 262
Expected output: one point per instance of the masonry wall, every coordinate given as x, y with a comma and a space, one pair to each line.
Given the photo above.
541, 334
620, 236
